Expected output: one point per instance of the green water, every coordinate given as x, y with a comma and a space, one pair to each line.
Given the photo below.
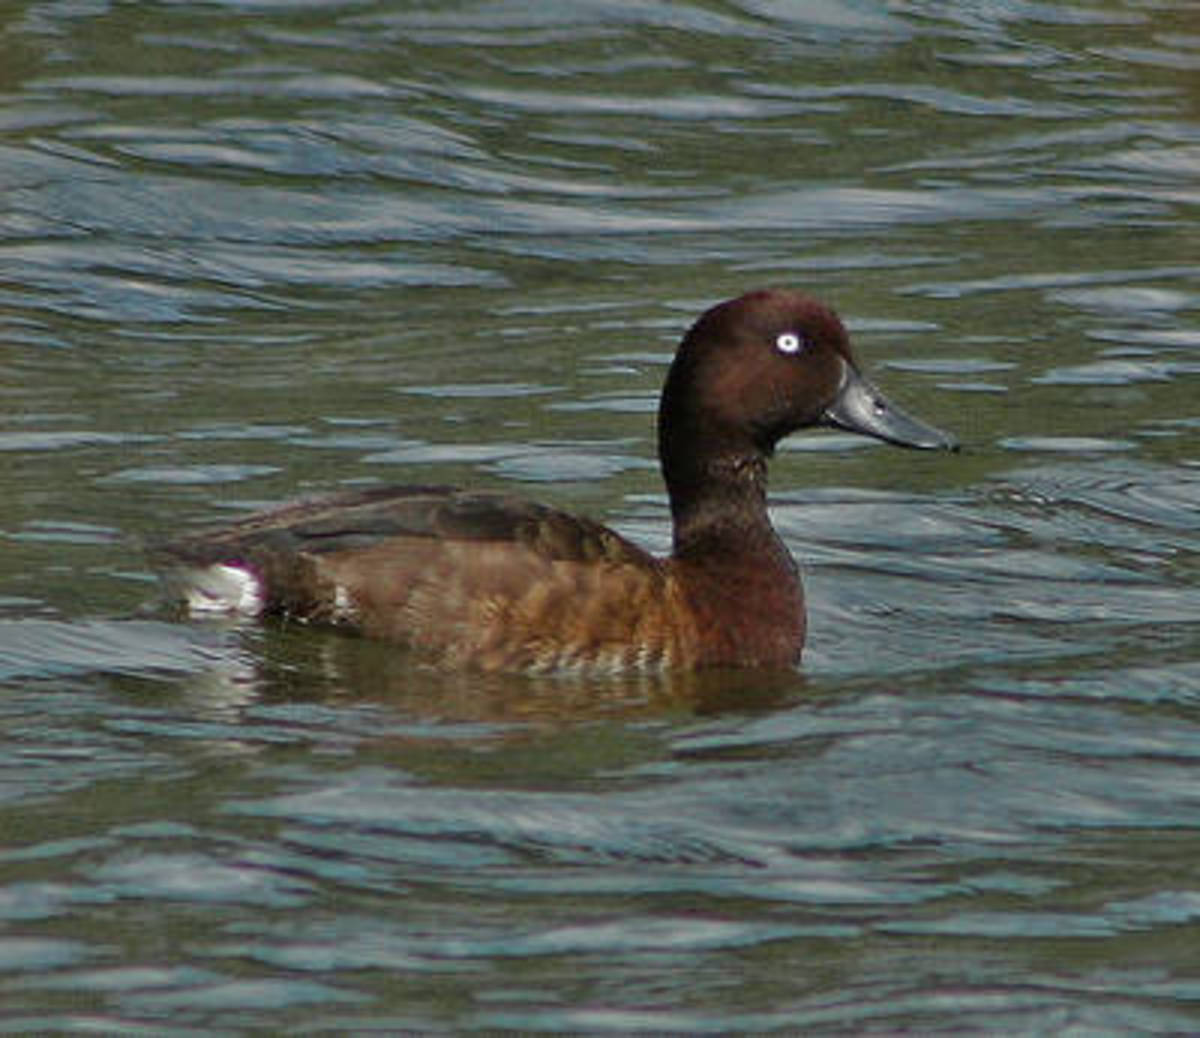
254, 251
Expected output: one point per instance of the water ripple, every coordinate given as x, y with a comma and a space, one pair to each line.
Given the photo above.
270, 244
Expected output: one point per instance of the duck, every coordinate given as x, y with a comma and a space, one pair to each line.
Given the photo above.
491, 581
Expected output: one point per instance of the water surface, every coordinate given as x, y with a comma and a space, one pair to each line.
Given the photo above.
249, 250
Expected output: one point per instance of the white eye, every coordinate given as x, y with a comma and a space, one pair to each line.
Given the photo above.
789, 342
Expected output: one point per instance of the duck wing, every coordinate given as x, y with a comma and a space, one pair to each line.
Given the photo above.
366, 519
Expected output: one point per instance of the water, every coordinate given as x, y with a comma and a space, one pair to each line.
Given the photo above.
250, 250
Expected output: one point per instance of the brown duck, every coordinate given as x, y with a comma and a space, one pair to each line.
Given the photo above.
488, 580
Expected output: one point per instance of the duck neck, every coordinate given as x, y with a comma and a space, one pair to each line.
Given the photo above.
719, 510
716, 475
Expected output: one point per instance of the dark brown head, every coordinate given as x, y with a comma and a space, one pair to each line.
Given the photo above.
754, 369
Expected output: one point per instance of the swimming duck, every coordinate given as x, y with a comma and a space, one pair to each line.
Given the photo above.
489, 580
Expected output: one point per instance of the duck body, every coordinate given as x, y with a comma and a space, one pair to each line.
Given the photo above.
491, 581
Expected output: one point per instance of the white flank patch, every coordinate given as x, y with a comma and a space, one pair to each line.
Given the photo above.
223, 589
343, 605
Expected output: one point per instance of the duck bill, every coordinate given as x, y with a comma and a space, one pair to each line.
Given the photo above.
862, 408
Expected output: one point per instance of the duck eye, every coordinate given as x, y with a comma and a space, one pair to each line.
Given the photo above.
789, 342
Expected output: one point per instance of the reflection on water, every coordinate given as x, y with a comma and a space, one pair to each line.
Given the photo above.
248, 251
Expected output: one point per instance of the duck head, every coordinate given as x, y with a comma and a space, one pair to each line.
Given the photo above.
754, 369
